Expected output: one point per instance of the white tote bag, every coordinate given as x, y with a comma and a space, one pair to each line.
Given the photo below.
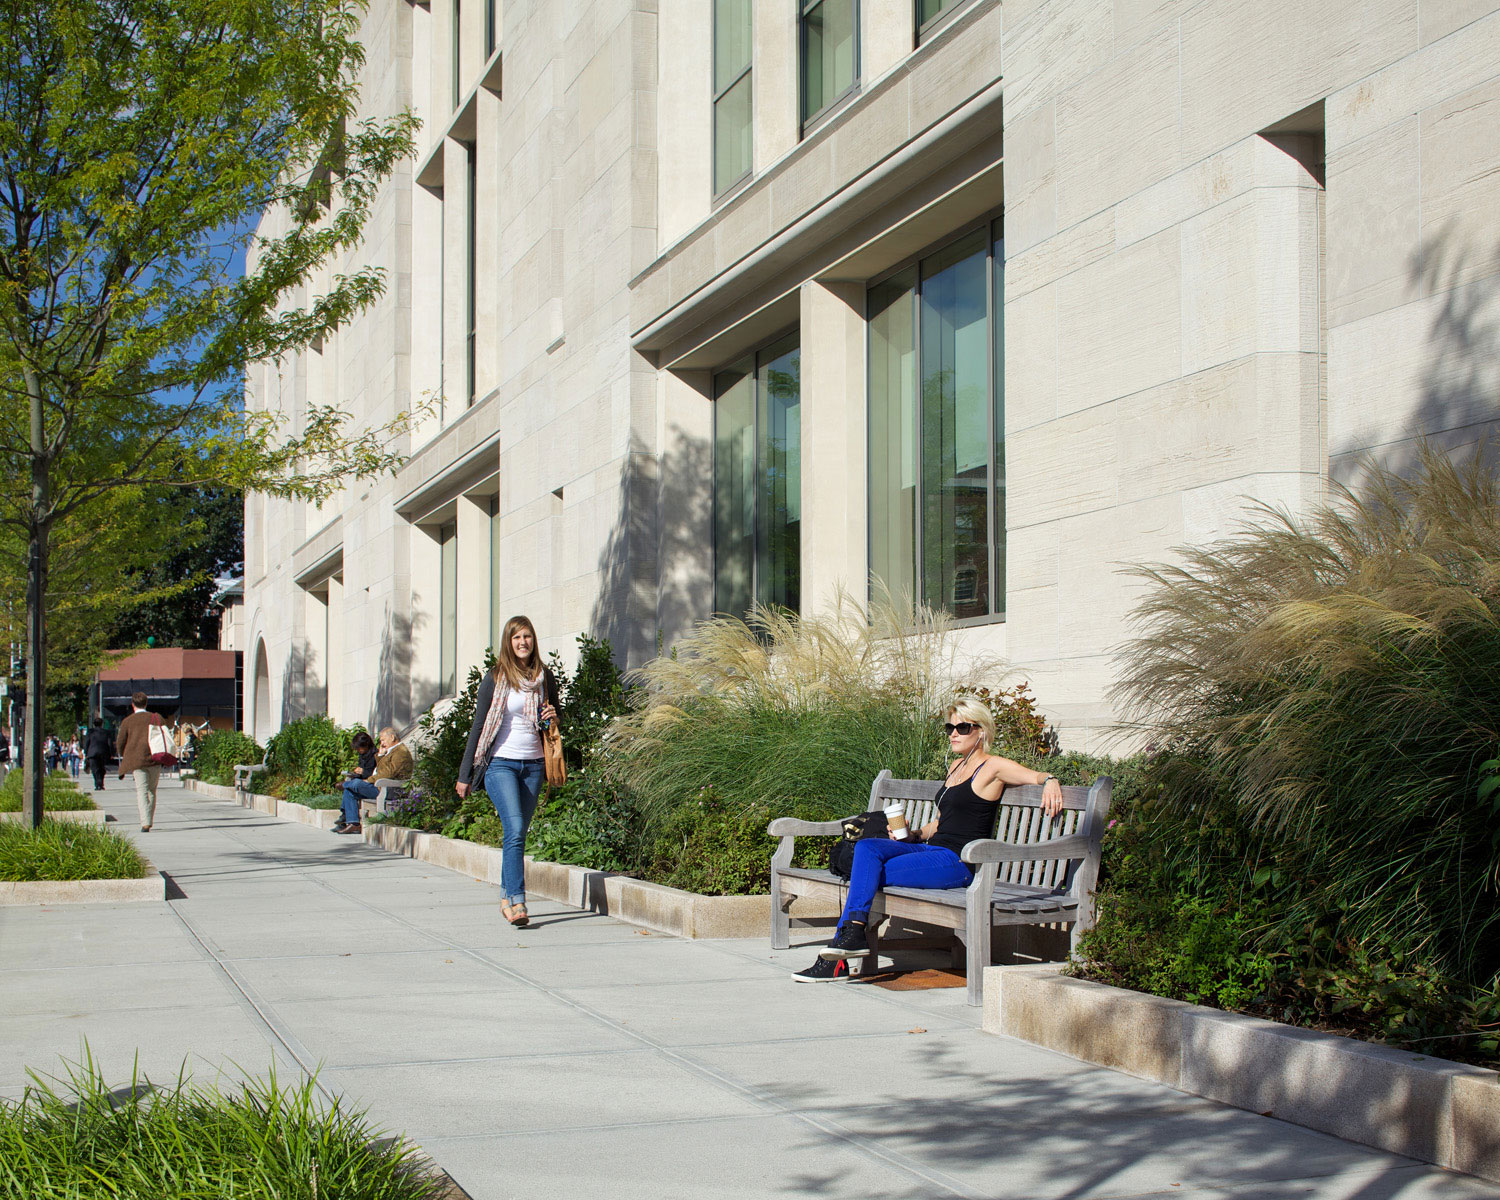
159, 743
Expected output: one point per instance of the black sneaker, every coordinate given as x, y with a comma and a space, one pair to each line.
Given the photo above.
850, 942
824, 970
340, 826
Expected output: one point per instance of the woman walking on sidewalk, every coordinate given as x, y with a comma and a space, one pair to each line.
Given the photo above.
516, 702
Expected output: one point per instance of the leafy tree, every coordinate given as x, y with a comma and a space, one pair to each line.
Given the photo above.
208, 540
133, 134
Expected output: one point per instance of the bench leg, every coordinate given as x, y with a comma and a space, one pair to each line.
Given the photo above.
978, 958
958, 953
781, 919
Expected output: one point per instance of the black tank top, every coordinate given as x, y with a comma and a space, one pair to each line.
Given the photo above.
964, 816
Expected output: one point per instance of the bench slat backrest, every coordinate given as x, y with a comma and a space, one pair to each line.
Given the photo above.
1020, 821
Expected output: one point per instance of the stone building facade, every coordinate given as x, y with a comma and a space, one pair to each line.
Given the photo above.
734, 300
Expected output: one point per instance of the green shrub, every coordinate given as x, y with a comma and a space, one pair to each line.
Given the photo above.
592, 696
59, 851
313, 751
81, 1140
59, 794
221, 750
721, 848
311, 797
443, 739
1020, 729
588, 823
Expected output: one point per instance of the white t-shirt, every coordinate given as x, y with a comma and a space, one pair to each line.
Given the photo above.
517, 737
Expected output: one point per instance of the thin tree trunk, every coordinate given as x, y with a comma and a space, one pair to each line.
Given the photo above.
36, 619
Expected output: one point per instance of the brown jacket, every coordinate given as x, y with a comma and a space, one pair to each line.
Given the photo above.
395, 763
130, 742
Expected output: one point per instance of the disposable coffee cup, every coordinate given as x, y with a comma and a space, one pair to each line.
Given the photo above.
895, 822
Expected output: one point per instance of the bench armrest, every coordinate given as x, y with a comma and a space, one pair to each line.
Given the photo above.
796, 827
392, 785
987, 850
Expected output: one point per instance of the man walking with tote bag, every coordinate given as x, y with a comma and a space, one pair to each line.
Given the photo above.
134, 747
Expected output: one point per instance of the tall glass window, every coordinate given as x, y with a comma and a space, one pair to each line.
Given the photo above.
732, 93
758, 481
458, 75
448, 611
471, 280
829, 51
489, 29
937, 422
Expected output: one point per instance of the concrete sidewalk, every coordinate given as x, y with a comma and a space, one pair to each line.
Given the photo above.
581, 1056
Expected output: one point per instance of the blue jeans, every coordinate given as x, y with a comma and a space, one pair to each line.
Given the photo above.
879, 861
512, 785
354, 791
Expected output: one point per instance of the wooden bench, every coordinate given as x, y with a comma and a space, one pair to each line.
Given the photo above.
389, 789
243, 774
1034, 872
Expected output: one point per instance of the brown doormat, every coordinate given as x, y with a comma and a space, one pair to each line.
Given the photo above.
916, 981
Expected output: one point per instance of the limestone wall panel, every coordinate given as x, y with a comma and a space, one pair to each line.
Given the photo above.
1374, 233
1109, 351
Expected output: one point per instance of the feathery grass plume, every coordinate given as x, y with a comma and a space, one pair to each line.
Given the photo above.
782, 710
1332, 684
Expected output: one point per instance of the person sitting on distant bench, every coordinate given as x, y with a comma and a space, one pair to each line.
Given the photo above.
392, 760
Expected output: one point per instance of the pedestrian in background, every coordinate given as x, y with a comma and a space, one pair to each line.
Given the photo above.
135, 758
98, 747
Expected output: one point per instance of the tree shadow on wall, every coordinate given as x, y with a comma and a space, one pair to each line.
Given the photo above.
1458, 406
294, 683
396, 697
655, 570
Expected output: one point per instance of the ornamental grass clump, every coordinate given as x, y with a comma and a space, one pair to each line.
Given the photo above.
82, 1140
59, 794
60, 851
1327, 691
790, 714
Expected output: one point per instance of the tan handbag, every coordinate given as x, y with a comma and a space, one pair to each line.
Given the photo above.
552, 756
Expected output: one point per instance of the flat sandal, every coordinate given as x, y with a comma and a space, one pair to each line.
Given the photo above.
518, 915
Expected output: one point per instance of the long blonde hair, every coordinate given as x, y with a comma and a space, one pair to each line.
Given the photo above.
508, 667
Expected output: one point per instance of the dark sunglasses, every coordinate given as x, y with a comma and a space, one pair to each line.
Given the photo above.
962, 728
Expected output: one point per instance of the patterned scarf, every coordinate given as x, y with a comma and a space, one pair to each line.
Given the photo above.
492, 719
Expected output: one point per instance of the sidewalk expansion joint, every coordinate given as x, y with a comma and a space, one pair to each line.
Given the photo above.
759, 1097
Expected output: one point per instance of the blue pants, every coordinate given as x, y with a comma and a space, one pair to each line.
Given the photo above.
354, 791
880, 861
512, 785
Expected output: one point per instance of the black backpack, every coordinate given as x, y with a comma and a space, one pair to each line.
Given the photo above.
841, 853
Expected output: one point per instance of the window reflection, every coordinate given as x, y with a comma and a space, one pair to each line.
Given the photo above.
936, 469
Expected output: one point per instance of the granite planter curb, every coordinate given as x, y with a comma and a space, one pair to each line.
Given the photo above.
87, 891
217, 790
82, 816
1423, 1107
653, 906
318, 818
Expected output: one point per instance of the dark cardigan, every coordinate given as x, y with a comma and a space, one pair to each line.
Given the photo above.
482, 702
